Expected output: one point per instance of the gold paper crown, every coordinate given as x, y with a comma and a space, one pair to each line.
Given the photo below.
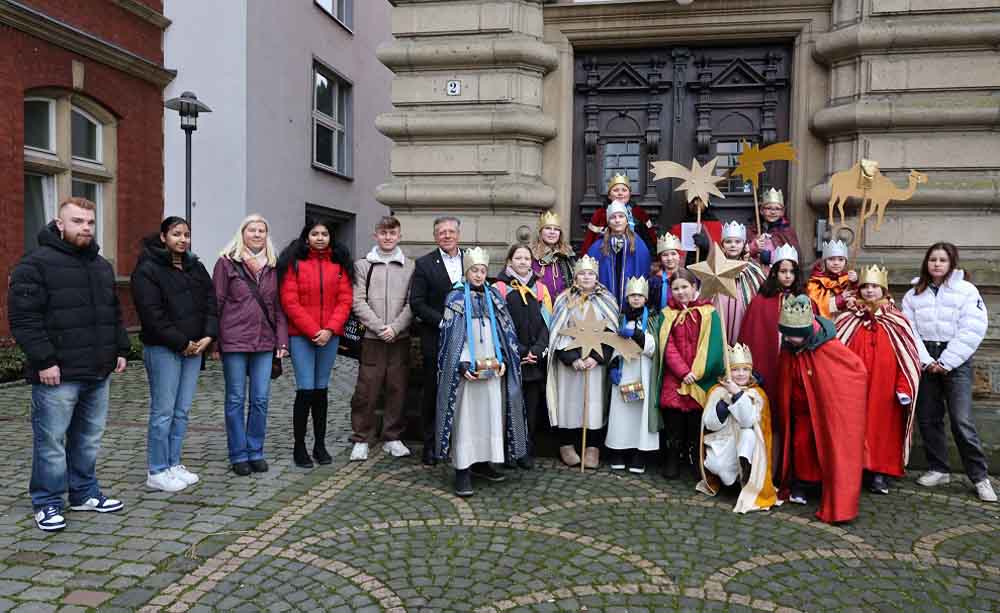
773, 196
636, 285
619, 178
586, 263
667, 242
739, 355
476, 255
549, 218
796, 312
874, 274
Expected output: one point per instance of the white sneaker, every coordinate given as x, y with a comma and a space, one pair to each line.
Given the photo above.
360, 452
396, 449
933, 478
181, 472
101, 504
165, 481
985, 491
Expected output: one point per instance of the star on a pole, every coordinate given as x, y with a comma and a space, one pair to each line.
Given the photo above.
590, 333
698, 181
717, 273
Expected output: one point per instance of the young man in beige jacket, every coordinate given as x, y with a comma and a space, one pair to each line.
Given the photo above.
381, 303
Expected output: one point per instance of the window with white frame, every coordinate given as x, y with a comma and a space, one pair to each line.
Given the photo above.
66, 154
341, 10
331, 121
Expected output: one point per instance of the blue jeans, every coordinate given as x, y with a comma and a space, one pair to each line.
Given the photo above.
173, 379
75, 411
312, 363
245, 430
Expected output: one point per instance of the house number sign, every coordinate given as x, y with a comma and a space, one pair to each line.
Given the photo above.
454, 88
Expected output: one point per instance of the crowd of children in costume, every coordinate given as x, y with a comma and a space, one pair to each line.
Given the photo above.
795, 389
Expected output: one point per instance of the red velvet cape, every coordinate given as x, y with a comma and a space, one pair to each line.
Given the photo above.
836, 384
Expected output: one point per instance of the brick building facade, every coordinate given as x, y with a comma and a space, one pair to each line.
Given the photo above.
81, 113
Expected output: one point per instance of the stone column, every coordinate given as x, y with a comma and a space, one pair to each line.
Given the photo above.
913, 86
467, 128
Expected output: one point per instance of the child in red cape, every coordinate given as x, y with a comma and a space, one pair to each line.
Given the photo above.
822, 393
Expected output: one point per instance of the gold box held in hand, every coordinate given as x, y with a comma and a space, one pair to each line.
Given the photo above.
632, 392
487, 368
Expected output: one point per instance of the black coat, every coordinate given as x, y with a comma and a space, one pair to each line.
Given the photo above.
532, 333
175, 306
429, 288
63, 310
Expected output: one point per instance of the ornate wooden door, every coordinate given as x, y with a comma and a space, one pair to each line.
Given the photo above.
636, 107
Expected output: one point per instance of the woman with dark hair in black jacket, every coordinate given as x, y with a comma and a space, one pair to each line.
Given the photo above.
530, 307
175, 300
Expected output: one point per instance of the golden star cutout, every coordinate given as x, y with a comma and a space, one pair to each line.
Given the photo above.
698, 181
590, 333
717, 273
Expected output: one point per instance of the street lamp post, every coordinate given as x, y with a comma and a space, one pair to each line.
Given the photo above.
188, 106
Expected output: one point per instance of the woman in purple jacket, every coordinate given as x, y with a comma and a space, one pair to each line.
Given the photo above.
252, 328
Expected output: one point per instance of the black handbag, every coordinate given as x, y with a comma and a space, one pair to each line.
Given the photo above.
276, 368
354, 330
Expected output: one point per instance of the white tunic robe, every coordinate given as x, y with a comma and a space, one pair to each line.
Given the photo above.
477, 432
570, 388
628, 422
736, 437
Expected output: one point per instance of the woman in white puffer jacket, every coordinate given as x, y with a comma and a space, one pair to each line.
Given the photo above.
949, 321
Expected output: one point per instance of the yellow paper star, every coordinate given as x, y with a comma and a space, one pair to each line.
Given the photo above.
698, 181
751, 161
590, 333
717, 274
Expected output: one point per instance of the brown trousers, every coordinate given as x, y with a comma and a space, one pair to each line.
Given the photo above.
384, 366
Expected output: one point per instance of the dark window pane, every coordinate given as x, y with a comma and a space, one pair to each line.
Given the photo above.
629, 161
615, 148
324, 145
633, 176
85, 189
342, 104
324, 94
84, 137
633, 148
725, 147
36, 125
34, 209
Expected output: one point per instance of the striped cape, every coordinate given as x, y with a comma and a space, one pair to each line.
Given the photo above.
904, 347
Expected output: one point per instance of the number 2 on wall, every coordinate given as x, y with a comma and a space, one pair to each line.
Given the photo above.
454, 88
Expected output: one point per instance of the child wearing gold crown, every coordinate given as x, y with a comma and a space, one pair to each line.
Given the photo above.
574, 377
690, 360
736, 438
732, 310
552, 257
881, 336
629, 435
820, 409
668, 255
831, 286
775, 231
480, 409
620, 191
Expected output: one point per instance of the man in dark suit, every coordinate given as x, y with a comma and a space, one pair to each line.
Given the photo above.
433, 277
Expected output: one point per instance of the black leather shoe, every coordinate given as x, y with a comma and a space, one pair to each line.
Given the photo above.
301, 457
880, 485
526, 463
258, 466
745, 469
463, 483
484, 470
242, 468
428, 456
321, 456
670, 468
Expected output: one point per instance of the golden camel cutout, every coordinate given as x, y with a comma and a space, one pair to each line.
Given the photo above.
866, 182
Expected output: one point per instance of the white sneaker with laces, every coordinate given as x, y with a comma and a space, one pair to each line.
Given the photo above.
101, 504
50, 519
985, 491
933, 478
360, 452
396, 449
181, 472
165, 481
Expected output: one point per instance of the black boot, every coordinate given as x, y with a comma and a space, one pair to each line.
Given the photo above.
463, 483
300, 416
671, 460
319, 407
745, 469
694, 463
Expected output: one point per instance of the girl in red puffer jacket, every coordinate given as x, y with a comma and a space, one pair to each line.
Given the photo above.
316, 277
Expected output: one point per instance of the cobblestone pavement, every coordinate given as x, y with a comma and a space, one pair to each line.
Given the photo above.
388, 534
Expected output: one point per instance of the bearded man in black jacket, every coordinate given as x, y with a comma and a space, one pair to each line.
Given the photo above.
65, 315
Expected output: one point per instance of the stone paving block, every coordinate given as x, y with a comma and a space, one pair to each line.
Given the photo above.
87, 598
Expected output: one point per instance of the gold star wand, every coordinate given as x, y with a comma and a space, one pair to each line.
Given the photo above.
718, 276
698, 182
751, 163
588, 335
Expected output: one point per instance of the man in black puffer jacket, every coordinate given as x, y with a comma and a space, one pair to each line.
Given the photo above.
64, 314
